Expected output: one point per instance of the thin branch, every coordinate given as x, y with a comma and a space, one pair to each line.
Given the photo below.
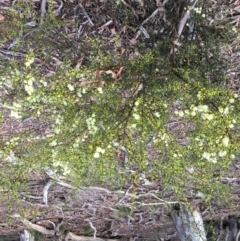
238, 234
165, 2
51, 174
65, 184
129, 6
150, 204
106, 24
129, 220
58, 226
43, 10
126, 194
54, 226
157, 204
33, 226
144, 31
140, 214
8, 9
57, 11
98, 189
45, 192
183, 22
72, 236
26, 236
13, 53
86, 14
80, 30
29, 196
186, 16
150, 17
91, 225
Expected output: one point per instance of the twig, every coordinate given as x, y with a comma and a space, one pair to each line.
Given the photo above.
170, 236
43, 10
61, 210
72, 236
33, 226
15, 54
98, 189
13, 44
29, 196
129, 220
52, 175
150, 17
64, 184
135, 238
86, 14
165, 2
19, 54
139, 196
144, 31
183, 22
106, 24
112, 209
8, 8
125, 153
186, 16
156, 204
129, 6
60, 7
26, 236
156, 197
80, 30
37, 205
146, 181
54, 226
238, 234
150, 204
91, 225
45, 192
58, 226
235, 17
126, 194
140, 214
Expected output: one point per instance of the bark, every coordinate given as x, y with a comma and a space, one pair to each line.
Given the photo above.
189, 223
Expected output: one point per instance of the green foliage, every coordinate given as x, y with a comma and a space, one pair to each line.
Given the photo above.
89, 110
37, 236
87, 231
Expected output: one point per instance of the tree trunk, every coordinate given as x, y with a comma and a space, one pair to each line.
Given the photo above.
189, 224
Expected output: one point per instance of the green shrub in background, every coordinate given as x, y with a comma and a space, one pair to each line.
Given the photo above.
93, 112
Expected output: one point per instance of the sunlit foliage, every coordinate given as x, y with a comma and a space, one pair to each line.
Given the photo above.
93, 113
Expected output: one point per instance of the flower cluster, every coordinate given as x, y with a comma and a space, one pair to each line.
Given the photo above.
15, 108
211, 157
60, 165
203, 110
28, 84
98, 152
135, 115
91, 124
